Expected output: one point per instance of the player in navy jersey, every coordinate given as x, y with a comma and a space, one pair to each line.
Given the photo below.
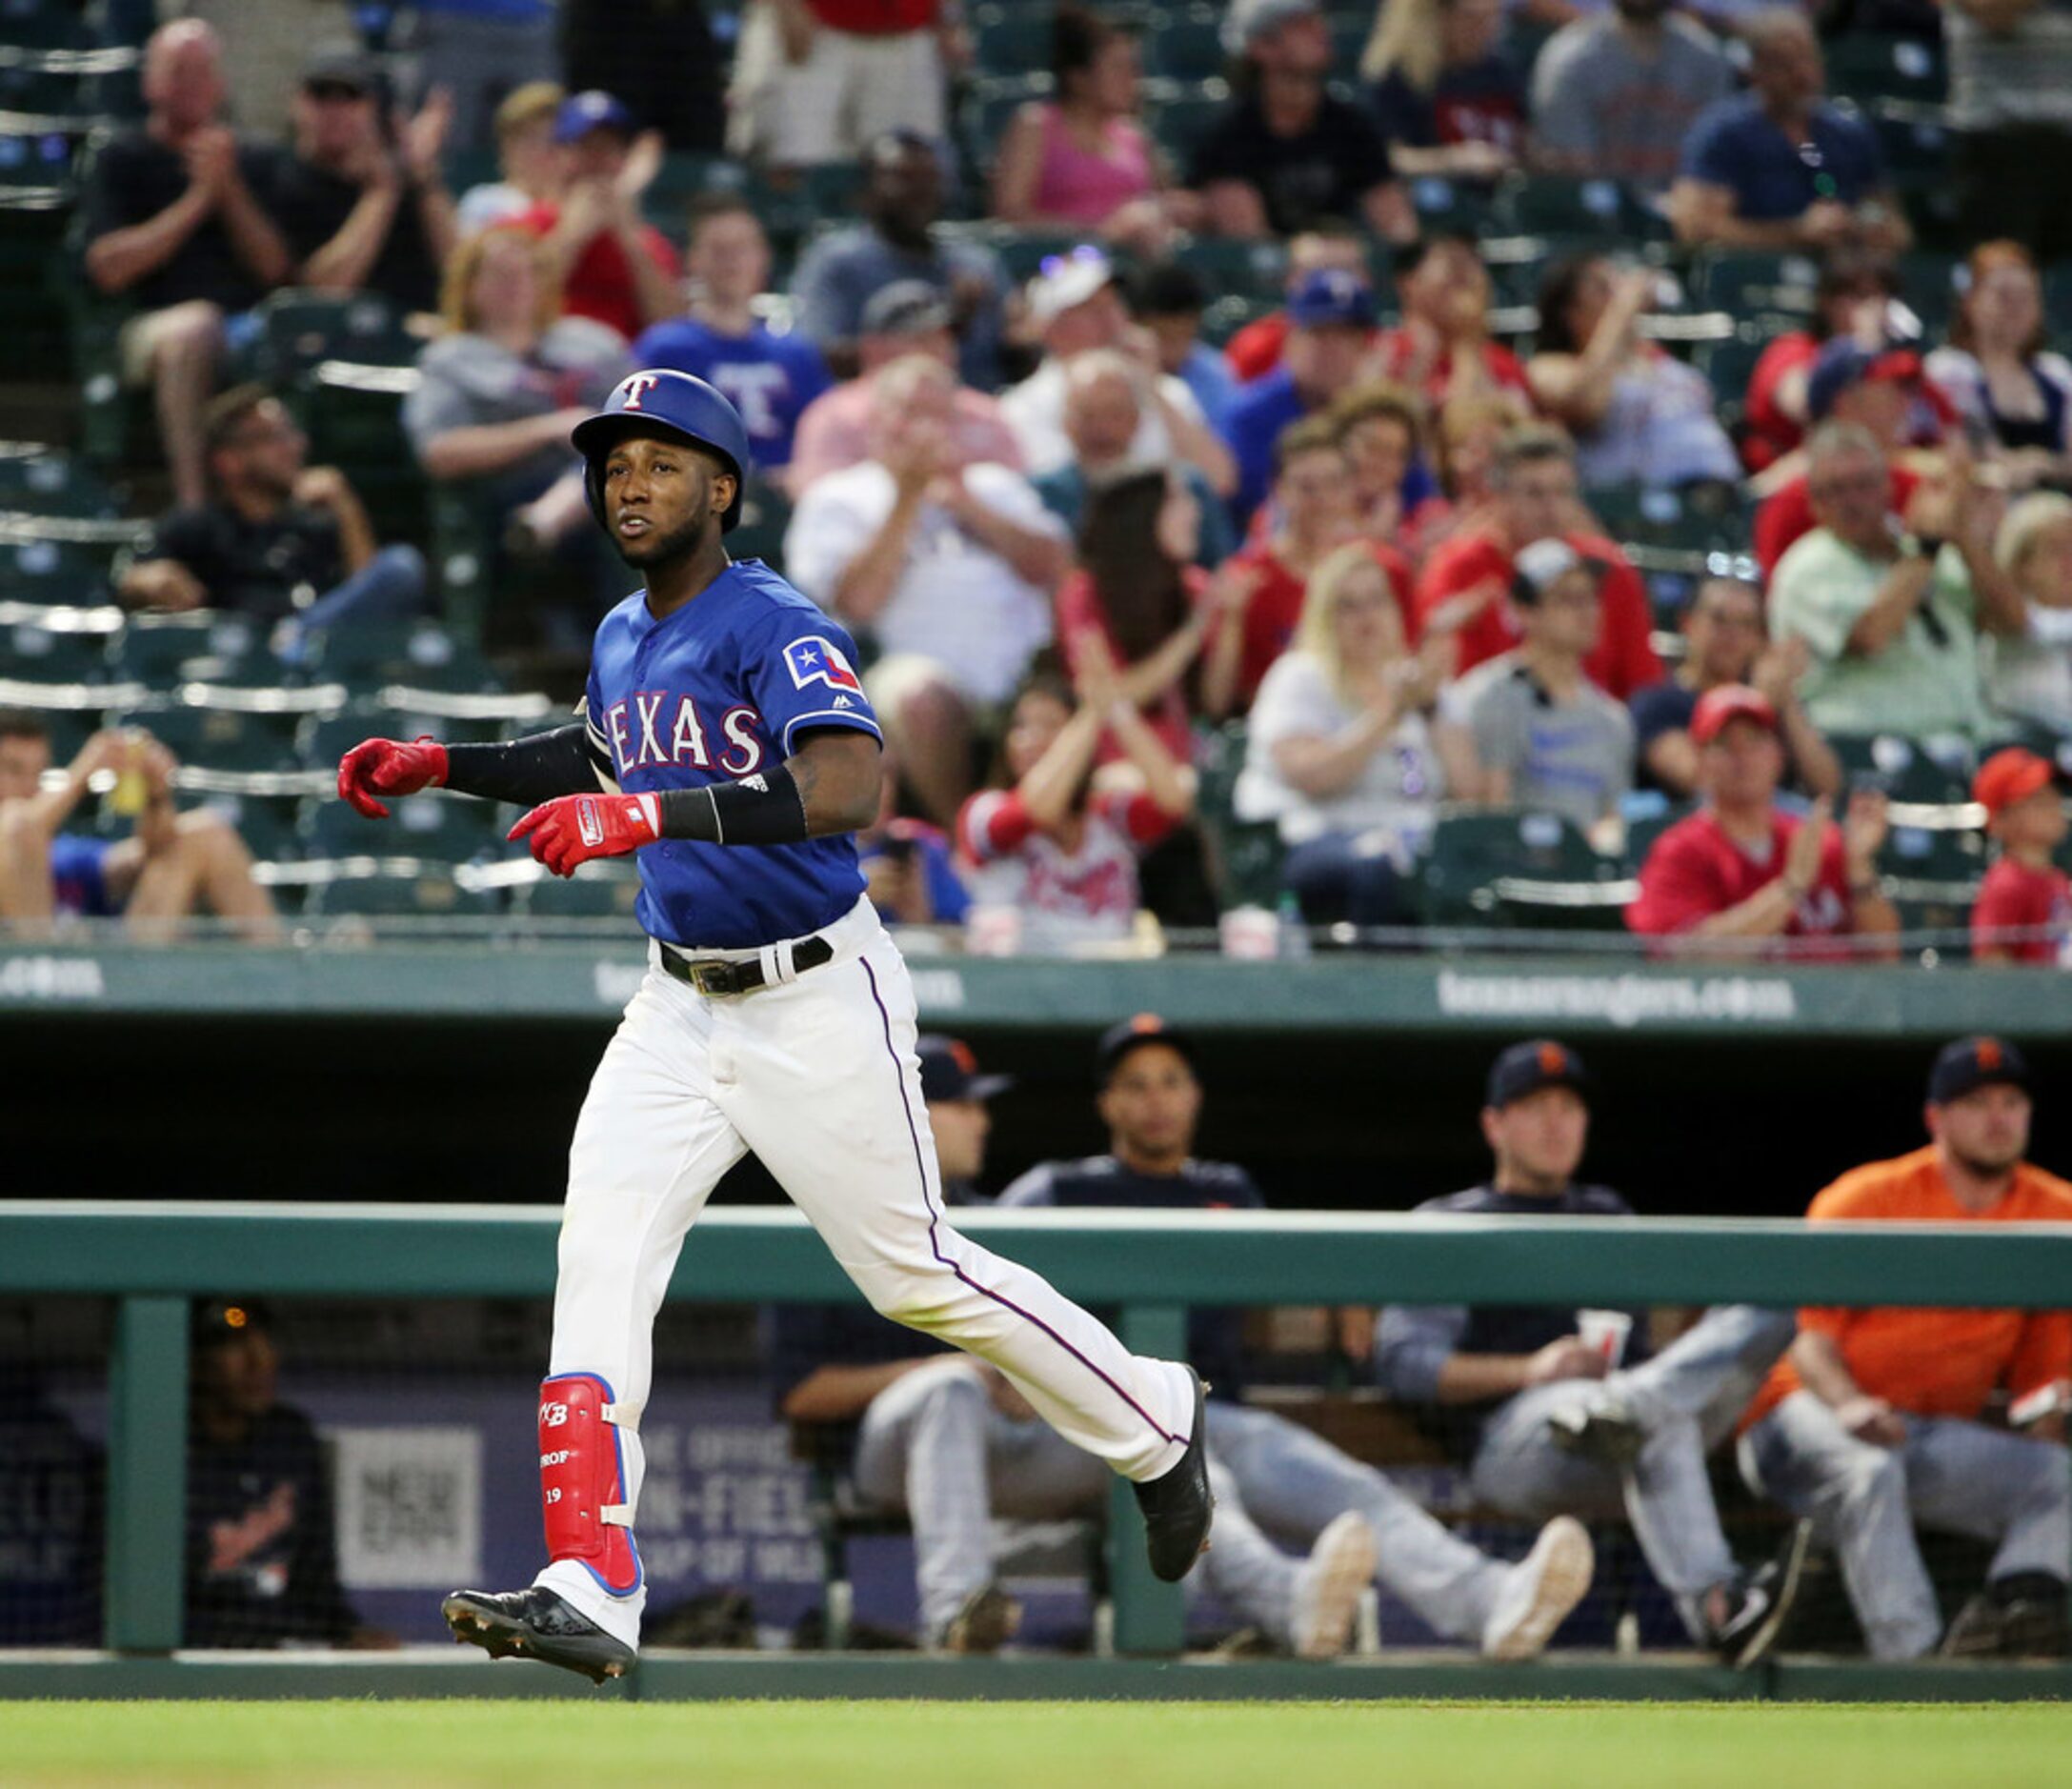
725, 740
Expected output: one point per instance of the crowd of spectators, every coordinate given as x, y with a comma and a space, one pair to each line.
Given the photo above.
1056, 491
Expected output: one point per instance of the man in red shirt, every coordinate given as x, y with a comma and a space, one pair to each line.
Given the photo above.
614, 268
2025, 907
1465, 584
1739, 873
1887, 394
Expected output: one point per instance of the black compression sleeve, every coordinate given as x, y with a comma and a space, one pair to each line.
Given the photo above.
528, 771
766, 810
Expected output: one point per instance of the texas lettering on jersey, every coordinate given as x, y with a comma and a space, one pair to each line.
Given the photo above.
654, 728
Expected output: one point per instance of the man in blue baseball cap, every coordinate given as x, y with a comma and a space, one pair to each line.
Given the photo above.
611, 266
1331, 322
1566, 1412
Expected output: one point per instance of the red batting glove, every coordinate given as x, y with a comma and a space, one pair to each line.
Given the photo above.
571, 830
387, 767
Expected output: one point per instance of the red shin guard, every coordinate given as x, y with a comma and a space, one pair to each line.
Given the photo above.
582, 1481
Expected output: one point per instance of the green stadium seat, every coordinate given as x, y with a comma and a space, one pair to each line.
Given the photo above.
1866, 66
1730, 363
1237, 270
1178, 123
46, 482
1644, 828
267, 824
1460, 206
395, 889
1226, 316
1587, 210
1012, 38
1186, 46
1696, 519
1907, 770
1929, 288
432, 826
1932, 878
1751, 282
422, 655
58, 645
300, 330
1245, 855
43, 24
1509, 867
766, 513
219, 738
598, 890
37, 568
163, 651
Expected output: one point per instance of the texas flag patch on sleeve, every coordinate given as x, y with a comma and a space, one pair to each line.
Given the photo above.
816, 660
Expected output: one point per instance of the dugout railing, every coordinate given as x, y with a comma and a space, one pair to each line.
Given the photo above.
152, 1258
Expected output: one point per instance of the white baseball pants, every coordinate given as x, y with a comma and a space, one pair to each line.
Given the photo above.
817, 1075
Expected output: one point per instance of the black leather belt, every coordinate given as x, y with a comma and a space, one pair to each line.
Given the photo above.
713, 976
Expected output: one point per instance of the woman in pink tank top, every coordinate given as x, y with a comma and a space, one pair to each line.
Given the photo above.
1083, 161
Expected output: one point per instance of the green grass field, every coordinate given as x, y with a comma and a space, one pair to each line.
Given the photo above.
1021, 1745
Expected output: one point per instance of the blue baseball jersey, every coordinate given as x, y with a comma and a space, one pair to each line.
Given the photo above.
769, 378
720, 690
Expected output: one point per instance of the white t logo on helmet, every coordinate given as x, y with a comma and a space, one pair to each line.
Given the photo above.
634, 387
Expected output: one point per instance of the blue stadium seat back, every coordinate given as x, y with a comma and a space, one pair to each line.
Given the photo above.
420, 656
1932, 771
66, 647
598, 890
1013, 36
49, 483
163, 651
36, 568
435, 826
212, 737
1186, 45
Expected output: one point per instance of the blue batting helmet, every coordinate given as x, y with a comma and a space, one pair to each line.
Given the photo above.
660, 401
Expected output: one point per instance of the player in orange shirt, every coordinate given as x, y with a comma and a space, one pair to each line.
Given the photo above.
1871, 1423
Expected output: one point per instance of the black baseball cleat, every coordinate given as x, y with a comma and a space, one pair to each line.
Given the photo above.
535, 1623
1758, 1606
1178, 1504
2023, 1615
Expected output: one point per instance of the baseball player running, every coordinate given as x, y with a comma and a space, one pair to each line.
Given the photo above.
726, 739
